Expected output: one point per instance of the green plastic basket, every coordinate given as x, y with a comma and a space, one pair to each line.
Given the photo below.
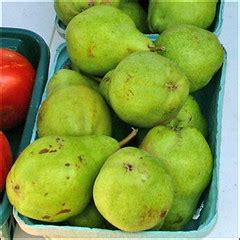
215, 27
211, 102
33, 47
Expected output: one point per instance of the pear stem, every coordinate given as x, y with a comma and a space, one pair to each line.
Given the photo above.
129, 137
157, 49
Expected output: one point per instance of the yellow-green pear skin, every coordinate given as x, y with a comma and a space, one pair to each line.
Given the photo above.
74, 111
104, 86
186, 157
135, 11
90, 217
197, 52
53, 177
120, 129
190, 115
164, 14
67, 9
112, 36
132, 191
66, 77
147, 89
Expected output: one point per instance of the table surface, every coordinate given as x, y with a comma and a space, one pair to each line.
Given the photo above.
39, 17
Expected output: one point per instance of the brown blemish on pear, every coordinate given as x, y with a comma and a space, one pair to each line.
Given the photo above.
128, 167
16, 188
171, 86
64, 211
163, 213
90, 51
44, 150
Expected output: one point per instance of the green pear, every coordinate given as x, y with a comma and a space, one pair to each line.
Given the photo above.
135, 11
90, 217
190, 115
100, 37
119, 128
147, 89
186, 156
197, 52
132, 191
66, 77
74, 111
53, 177
165, 14
67, 9
104, 86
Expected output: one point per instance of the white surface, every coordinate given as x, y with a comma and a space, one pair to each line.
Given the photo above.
39, 17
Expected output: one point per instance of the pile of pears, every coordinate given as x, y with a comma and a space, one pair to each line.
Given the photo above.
122, 141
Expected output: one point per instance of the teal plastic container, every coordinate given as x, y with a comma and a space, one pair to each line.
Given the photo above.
7, 223
34, 48
211, 102
215, 27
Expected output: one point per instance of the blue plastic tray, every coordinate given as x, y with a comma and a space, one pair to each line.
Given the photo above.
211, 102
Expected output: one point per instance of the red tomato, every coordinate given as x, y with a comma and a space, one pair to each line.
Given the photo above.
5, 160
16, 80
